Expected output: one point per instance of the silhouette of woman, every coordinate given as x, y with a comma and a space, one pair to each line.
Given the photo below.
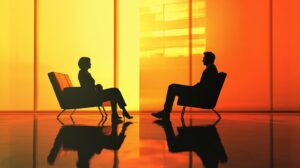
113, 95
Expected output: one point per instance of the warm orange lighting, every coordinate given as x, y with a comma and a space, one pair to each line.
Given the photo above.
129, 63
165, 51
69, 30
159, 43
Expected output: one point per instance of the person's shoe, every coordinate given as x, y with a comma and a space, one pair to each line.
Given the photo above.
116, 121
116, 117
159, 122
125, 125
166, 117
158, 114
51, 158
161, 115
162, 123
126, 115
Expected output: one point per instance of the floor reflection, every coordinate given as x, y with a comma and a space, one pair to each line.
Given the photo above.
204, 140
87, 140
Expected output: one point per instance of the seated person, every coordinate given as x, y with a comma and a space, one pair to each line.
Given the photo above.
202, 91
113, 95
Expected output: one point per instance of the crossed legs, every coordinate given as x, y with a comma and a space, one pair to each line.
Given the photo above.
116, 98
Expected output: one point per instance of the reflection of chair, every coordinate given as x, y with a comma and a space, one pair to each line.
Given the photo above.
88, 141
206, 103
70, 97
203, 140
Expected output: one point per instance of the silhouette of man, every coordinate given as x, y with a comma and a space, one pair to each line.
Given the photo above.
113, 95
201, 91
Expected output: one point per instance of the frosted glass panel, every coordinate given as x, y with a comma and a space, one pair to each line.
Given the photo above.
286, 55
164, 48
238, 32
69, 30
16, 55
129, 53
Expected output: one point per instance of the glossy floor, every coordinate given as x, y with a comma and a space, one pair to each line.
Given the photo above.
237, 140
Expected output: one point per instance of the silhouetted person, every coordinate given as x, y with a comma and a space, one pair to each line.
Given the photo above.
87, 141
202, 91
113, 95
203, 140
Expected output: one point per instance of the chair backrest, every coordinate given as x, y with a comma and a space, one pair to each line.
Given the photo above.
59, 82
221, 79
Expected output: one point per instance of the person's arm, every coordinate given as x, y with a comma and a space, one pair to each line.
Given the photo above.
99, 87
86, 80
208, 78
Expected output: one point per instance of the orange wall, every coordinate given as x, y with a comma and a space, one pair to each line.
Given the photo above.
69, 30
286, 55
16, 55
238, 33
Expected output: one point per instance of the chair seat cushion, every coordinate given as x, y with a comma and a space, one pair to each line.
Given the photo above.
203, 98
76, 97
199, 101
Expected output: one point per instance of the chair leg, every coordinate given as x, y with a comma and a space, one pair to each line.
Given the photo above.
102, 121
60, 121
100, 110
183, 122
60, 113
217, 113
101, 116
183, 111
104, 111
73, 112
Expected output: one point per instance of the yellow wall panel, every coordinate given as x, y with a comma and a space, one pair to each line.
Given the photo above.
129, 65
16, 55
68, 30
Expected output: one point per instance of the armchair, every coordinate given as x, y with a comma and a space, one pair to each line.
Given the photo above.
70, 97
204, 102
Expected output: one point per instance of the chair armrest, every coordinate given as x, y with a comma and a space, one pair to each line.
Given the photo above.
78, 94
76, 91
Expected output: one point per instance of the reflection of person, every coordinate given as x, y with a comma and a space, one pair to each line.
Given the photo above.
87, 141
203, 140
201, 91
113, 95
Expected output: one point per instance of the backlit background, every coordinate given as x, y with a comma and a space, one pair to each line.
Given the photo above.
159, 42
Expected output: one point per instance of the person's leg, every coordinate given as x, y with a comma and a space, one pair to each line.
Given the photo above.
170, 137
173, 90
114, 95
56, 146
108, 95
172, 140
119, 98
114, 111
121, 102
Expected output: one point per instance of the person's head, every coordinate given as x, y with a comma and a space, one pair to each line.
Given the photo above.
209, 58
84, 63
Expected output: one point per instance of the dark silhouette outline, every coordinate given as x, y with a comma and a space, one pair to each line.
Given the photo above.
113, 95
70, 97
203, 94
203, 140
87, 141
